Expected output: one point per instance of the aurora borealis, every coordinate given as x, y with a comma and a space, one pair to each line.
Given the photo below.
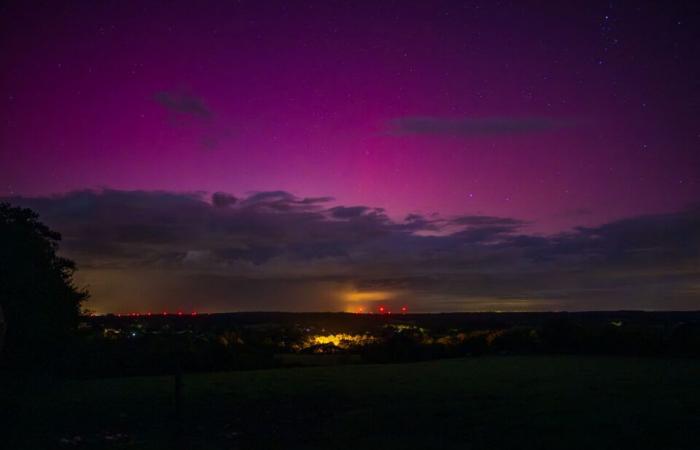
331, 155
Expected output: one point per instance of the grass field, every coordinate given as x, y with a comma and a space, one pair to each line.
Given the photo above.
477, 403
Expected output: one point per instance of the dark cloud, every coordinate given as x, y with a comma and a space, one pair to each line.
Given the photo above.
180, 103
472, 126
347, 212
150, 245
487, 221
222, 199
419, 222
281, 201
311, 200
270, 197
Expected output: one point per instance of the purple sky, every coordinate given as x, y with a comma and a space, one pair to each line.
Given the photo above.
554, 115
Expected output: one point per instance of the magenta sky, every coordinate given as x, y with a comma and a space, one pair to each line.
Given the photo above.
556, 116
301, 98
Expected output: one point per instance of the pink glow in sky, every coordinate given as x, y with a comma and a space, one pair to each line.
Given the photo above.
302, 98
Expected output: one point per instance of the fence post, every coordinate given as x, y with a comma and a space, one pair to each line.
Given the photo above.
179, 423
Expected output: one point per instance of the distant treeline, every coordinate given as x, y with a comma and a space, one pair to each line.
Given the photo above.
111, 345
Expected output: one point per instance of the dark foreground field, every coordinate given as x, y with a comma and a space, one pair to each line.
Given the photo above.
477, 403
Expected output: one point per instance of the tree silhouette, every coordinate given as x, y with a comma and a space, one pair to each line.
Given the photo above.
40, 302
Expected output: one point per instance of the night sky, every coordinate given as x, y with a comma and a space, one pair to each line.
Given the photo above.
447, 156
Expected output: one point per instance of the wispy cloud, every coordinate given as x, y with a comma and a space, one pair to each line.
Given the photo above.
192, 112
472, 126
185, 104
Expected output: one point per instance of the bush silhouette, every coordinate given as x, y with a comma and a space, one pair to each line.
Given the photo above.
40, 302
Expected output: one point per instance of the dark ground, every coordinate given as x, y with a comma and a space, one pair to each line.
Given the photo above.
523, 402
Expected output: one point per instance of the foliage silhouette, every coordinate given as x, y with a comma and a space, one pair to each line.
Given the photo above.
40, 301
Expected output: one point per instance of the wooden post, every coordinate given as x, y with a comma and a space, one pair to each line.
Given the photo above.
2, 329
180, 441
178, 394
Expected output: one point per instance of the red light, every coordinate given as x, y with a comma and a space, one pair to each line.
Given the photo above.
381, 309
194, 313
165, 313
148, 313
179, 313
404, 309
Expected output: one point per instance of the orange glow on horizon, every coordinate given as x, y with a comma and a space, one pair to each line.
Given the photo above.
369, 296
